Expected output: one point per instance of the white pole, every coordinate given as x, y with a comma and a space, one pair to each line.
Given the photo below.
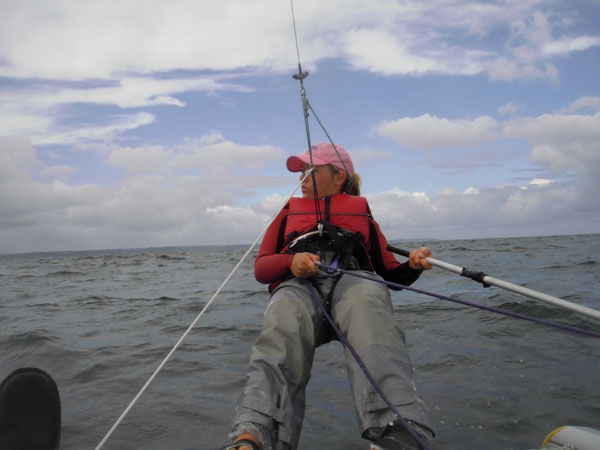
589, 312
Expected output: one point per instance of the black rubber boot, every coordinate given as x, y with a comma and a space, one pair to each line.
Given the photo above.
29, 411
394, 437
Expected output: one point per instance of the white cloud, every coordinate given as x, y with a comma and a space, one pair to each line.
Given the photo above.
82, 133
13, 123
509, 108
206, 154
561, 142
568, 45
390, 208
110, 39
380, 51
241, 221
158, 206
539, 205
582, 104
508, 211
17, 159
36, 110
130, 92
428, 132
361, 155
523, 56
520, 67
421, 38
540, 181
79, 40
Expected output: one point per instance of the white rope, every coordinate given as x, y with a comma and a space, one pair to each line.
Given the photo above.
176, 346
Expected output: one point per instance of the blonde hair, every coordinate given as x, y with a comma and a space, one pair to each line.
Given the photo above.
351, 185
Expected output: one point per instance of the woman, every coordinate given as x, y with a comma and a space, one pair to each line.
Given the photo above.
331, 224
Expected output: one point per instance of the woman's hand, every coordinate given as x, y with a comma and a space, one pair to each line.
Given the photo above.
303, 264
416, 259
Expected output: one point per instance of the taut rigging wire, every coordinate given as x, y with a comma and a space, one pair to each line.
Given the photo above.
300, 76
306, 106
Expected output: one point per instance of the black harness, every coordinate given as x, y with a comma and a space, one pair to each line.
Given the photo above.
329, 242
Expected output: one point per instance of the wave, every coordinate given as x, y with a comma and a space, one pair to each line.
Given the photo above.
64, 273
31, 339
172, 258
26, 276
571, 265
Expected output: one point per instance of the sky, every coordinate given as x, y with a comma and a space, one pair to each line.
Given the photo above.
127, 124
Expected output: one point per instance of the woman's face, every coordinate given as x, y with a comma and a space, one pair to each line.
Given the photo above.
328, 182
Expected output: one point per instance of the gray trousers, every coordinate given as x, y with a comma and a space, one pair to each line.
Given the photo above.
272, 403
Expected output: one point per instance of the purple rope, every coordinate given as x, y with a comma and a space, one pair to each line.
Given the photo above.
549, 323
361, 363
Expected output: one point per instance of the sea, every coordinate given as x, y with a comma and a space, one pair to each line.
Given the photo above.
101, 322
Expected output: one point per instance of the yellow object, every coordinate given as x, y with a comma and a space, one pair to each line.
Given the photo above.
551, 435
569, 437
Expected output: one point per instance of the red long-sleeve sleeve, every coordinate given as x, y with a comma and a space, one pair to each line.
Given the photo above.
270, 265
385, 262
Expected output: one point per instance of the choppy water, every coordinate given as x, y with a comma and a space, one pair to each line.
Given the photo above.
101, 321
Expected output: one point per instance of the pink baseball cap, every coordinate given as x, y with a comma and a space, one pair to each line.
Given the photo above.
322, 154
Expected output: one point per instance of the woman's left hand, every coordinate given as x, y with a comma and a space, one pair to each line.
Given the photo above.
416, 259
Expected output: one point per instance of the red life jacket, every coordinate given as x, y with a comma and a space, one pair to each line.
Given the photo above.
345, 217
342, 210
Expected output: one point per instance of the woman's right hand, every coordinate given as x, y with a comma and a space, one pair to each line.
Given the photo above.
418, 259
303, 264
